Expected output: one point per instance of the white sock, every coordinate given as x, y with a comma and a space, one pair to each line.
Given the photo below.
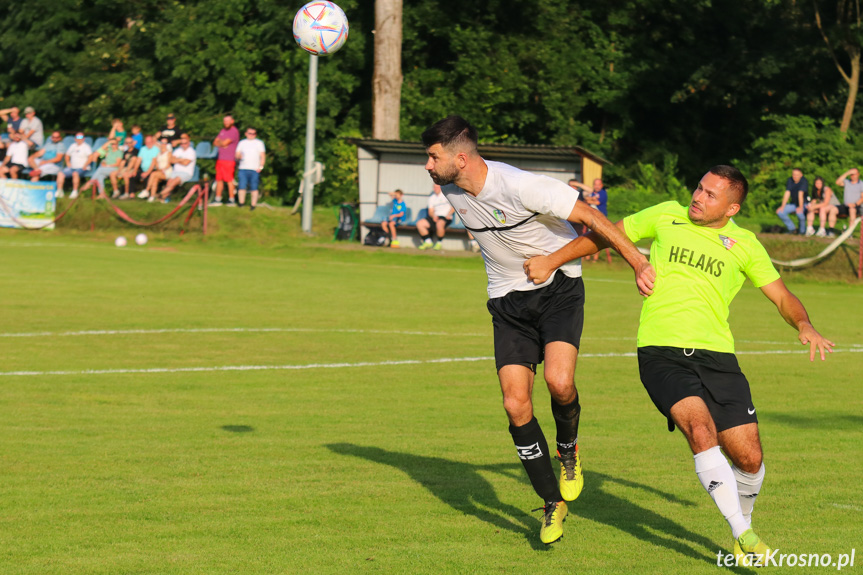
748, 486
718, 480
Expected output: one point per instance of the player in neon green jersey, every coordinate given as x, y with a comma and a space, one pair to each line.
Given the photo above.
685, 347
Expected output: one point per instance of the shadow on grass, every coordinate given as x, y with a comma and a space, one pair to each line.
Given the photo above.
238, 428
598, 504
832, 421
461, 486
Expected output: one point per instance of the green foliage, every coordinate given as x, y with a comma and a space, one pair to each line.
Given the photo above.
815, 146
646, 185
635, 81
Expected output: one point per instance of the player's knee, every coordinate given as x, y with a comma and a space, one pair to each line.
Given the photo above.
517, 407
750, 461
561, 385
701, 437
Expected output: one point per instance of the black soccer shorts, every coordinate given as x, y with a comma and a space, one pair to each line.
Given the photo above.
524, 321
670, 374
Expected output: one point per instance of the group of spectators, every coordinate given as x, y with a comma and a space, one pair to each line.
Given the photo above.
806, 204
156, 164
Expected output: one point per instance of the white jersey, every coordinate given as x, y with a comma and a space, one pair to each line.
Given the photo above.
439, 206
516, 216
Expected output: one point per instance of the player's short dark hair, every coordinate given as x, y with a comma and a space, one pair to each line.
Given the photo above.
739, 185
452, 131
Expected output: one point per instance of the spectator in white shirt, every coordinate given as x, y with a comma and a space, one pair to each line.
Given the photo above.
439, 217
184, 159
77, 164
17, 154
251, 155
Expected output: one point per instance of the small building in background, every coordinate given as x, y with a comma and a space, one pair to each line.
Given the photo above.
387, 165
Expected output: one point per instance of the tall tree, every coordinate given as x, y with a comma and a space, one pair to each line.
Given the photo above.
387, 80
846, 34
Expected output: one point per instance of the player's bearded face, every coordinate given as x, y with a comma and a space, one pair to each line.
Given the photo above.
441, 165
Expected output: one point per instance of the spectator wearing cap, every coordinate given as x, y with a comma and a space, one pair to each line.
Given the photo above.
251, 154
184, 159
77, 163
46, 161
170, 130
226, 163
31, 128
16, 156
12, 119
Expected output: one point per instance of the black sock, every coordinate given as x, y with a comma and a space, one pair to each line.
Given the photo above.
533, 452
566, 417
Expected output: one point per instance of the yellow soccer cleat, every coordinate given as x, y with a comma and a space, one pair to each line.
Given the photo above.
554, 514
750, 550
571, 478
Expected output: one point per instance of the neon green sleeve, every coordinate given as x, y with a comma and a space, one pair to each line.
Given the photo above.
759, 269
643, 224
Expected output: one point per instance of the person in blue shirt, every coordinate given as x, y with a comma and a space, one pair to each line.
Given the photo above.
597, 198
47, 161
395, 218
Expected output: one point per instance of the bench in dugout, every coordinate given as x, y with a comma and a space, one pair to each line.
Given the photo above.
383, 212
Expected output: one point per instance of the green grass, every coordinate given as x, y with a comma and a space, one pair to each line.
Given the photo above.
368, 469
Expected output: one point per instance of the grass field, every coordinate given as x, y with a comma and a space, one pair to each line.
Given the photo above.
185, 408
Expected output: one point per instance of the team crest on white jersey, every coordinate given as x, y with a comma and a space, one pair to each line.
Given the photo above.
499, 216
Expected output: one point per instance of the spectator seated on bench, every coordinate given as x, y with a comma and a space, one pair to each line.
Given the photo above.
397, 216
48, 160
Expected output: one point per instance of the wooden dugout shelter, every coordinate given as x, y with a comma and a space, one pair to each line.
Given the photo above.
387, 165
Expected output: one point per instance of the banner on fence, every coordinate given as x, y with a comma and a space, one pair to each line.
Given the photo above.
27, 204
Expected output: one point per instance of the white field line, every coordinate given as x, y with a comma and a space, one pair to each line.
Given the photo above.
98, 332
231, 330
296, 367
848, 507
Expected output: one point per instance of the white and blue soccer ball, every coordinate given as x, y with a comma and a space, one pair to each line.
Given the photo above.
321, 28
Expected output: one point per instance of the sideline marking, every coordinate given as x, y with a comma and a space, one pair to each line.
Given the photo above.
314, 330
333, 365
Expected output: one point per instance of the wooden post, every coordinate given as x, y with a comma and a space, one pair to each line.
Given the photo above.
387, 79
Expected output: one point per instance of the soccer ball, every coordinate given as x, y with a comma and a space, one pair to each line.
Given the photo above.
120, 242
141, 239
320, 28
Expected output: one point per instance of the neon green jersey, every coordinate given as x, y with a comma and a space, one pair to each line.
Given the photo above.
699, 270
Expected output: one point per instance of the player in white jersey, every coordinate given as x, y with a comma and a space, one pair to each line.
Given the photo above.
515, 215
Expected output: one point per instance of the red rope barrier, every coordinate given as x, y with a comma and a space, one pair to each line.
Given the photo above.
196, 189
24, 226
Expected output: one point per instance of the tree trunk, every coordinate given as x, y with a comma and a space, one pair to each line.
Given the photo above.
853, 85
387, 80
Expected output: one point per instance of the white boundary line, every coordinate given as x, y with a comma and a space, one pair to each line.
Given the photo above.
296, 367
97, 332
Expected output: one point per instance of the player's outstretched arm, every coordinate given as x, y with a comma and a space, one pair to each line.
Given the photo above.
792, 310
604, 234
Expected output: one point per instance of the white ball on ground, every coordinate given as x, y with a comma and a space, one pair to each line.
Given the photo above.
120, 242
141, 239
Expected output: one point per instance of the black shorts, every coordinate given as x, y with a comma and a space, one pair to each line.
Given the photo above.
432, 223
670, 374
524, 321
844, 211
